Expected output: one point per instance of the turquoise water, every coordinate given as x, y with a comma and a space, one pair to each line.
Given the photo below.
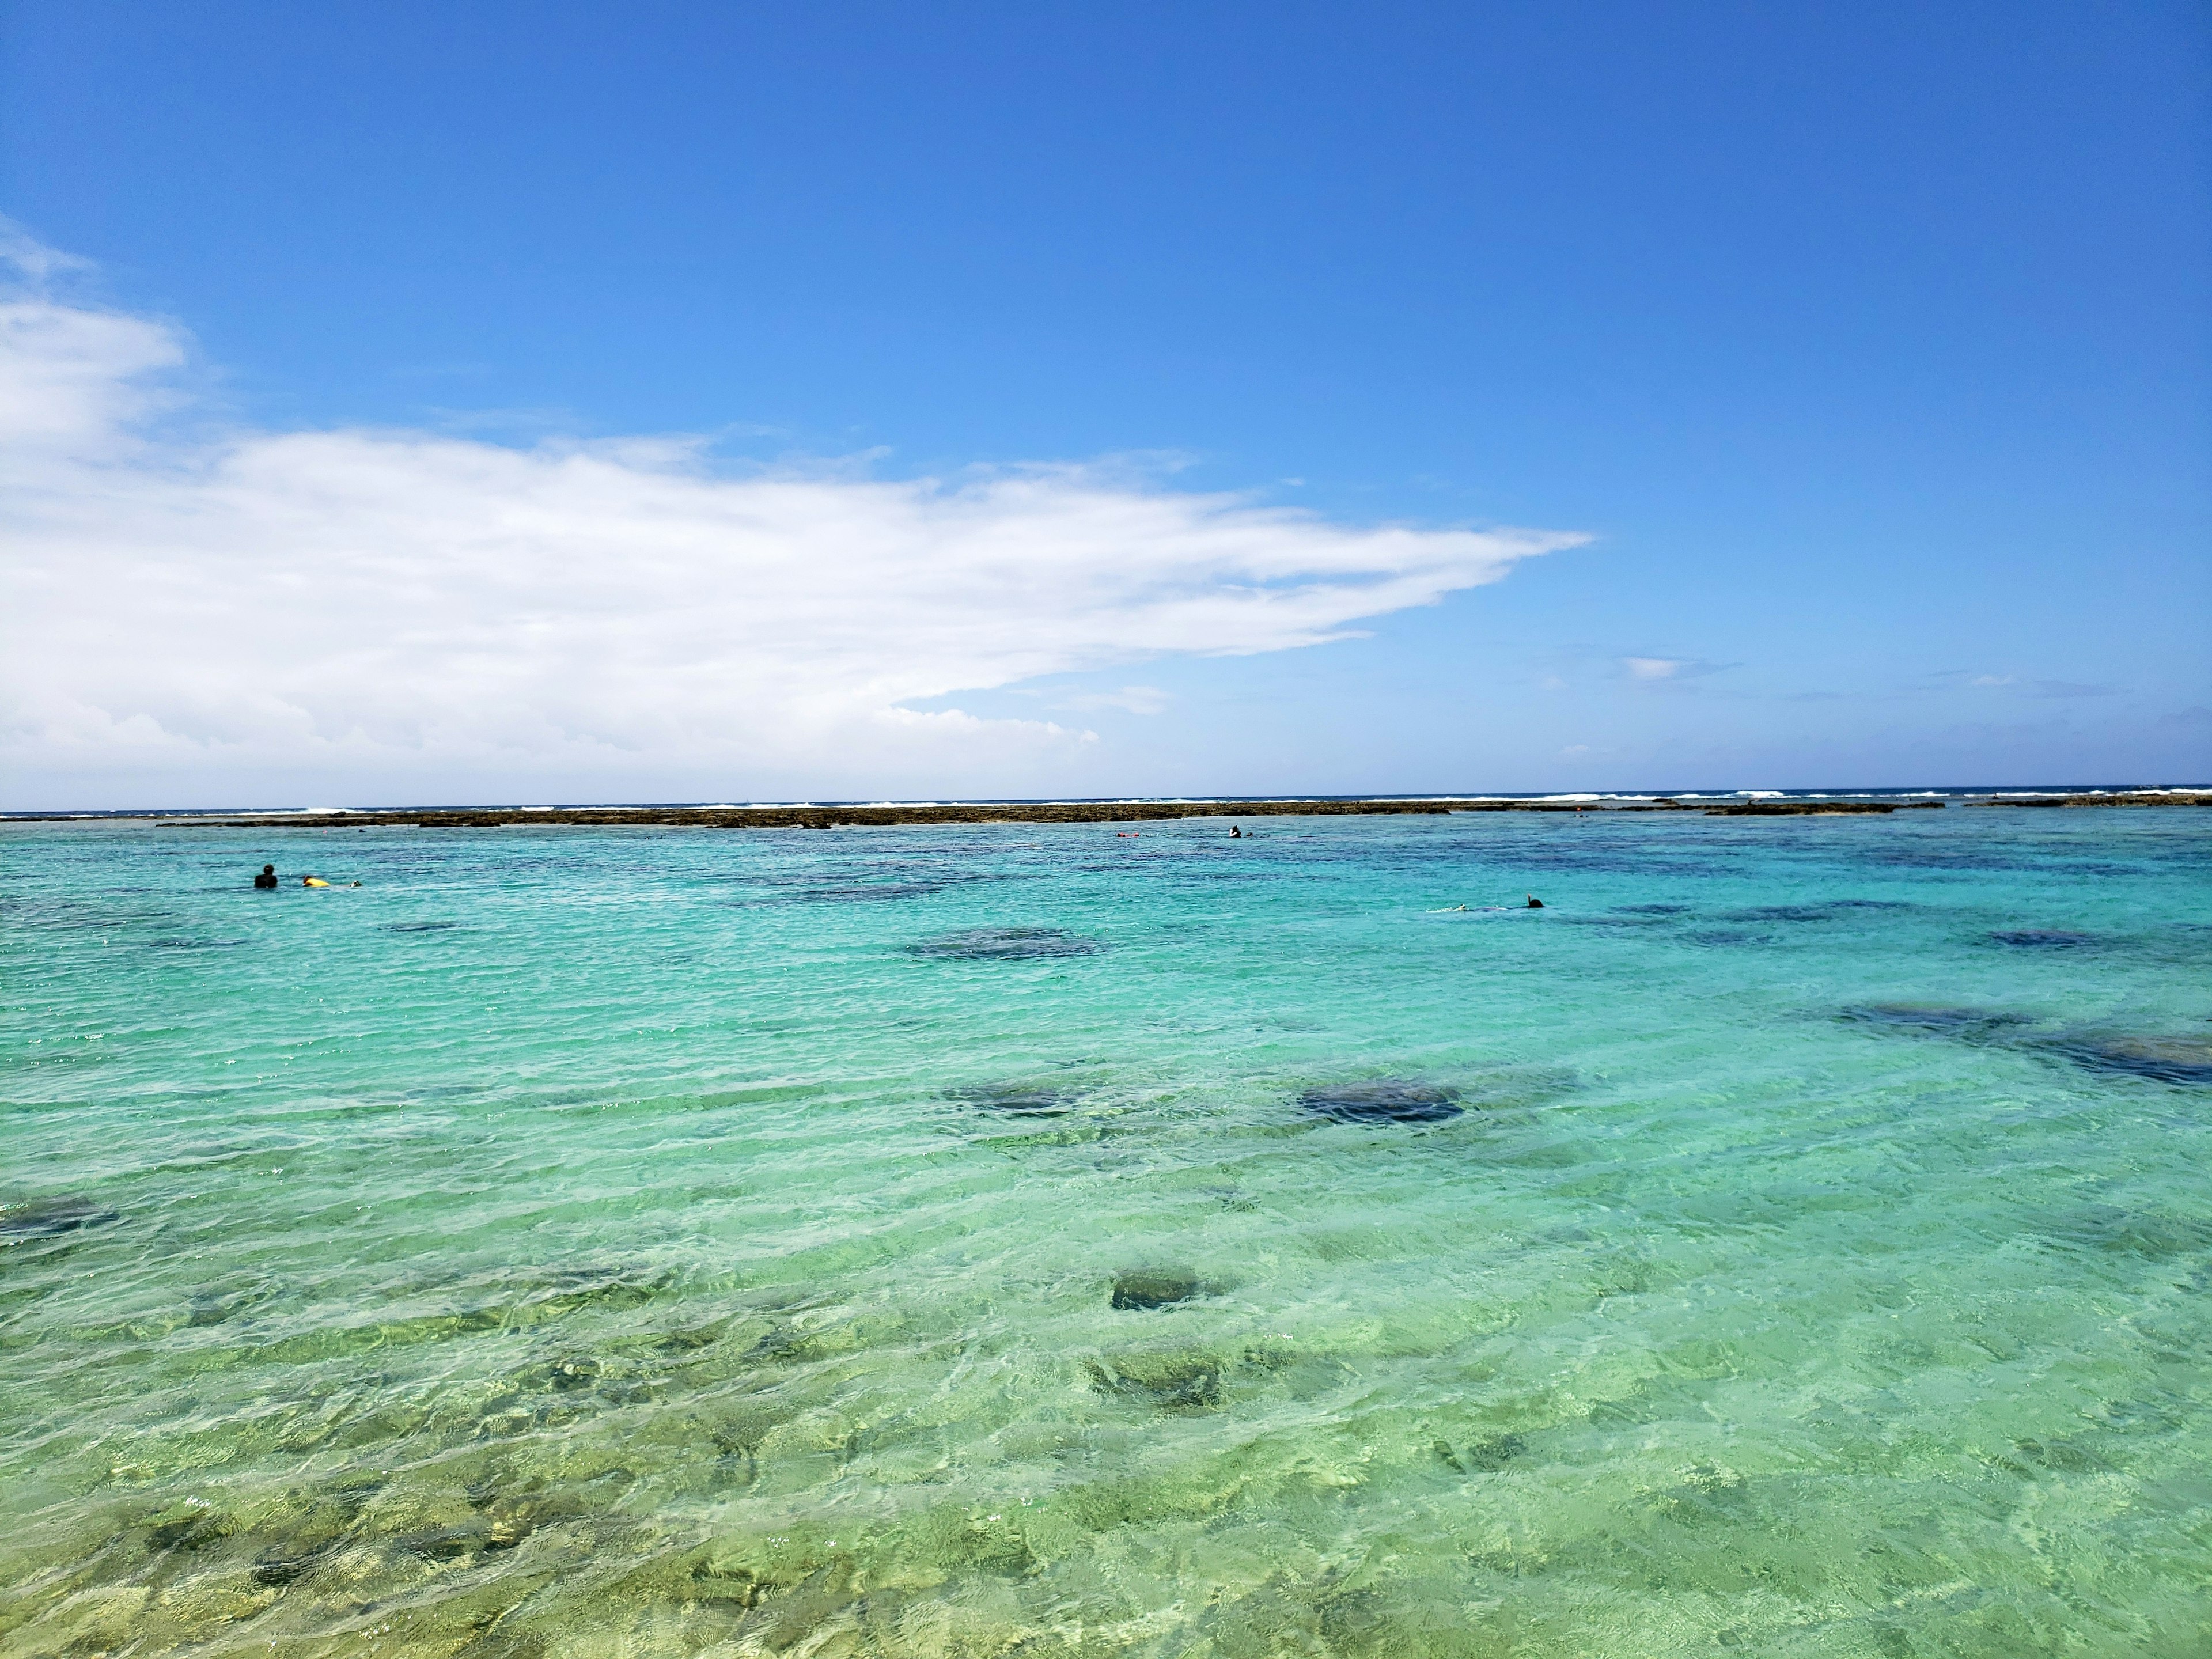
634, 1242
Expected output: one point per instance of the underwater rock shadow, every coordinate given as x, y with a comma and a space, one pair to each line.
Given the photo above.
51, 1217
1018, 1099
1723, 938
1934, 1018
1181, 1383
2184, 1060
1003, 945
1381, 1100
1145, 1289
2043, 939
2112, 1229
415, 927
2179, 1060
864, 892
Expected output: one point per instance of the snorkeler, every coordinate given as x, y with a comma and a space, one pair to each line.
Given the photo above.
1235, 833
317, 881
267, 879
1534, 903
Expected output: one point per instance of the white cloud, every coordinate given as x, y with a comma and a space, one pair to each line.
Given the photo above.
1652, 670
386, 607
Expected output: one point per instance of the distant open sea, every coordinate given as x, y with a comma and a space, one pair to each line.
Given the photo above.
1794, 1239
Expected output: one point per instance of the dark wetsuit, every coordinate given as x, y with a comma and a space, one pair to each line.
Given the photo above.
267, 878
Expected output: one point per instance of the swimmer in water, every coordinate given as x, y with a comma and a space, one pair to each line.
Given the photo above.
317, 881
1235, 834
267, 879
1534, 903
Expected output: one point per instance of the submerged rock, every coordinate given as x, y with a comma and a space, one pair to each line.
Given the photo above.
2043, 939
2113, 1229
1925, 1017
193, 1524
1381, 1100
1179, 1381
1154, 1287
865, 892
46, 1218
276, 1569
1017, 1099
1003, 945
448, 1543
2167, 1059
1484, 1457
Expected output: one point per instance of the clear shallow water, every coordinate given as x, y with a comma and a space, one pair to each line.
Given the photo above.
584, 1242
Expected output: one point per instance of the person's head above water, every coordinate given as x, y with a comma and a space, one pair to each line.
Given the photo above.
1534, 903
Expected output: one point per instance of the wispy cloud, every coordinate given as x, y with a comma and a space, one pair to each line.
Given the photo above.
1654, 670
375, 604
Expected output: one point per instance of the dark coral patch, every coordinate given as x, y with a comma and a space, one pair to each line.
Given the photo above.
1383, 1100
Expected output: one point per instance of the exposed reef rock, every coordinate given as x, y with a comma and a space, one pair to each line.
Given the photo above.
1801, 808
1383, 1100
1080, 811
2125, 798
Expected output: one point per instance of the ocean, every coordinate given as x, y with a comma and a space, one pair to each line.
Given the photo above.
1792, 1239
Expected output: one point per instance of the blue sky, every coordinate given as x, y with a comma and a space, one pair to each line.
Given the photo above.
1868, 347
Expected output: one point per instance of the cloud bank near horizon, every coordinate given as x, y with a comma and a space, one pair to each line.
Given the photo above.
190, 606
